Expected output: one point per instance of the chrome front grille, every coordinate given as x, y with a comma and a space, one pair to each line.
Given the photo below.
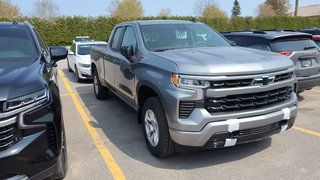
231, 83
283, 77
8, 136
247, 101
247, 81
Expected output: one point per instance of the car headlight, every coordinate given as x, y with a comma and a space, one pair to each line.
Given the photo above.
192, 83
84, 65
26, 100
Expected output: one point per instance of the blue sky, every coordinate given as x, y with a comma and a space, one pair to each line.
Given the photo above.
151, 7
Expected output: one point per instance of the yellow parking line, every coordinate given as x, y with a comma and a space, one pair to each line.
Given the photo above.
306, 131
81, 92
315, 90
105, 153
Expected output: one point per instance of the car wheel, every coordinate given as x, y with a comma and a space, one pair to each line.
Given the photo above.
69, 69
77, 74
100, 91
63, 160
156, 130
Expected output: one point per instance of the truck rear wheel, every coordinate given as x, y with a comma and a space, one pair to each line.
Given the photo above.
100, 91
156, 130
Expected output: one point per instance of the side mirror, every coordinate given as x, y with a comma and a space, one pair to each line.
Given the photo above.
58, 53
71, 53
233, 43
127, 51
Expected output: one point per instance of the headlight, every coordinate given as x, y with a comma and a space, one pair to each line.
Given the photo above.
84, 65
26, 100
192, 83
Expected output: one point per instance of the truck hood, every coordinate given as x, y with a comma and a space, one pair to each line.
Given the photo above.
19, 78
225, 60
85, 59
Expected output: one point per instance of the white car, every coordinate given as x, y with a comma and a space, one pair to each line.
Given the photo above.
79, 58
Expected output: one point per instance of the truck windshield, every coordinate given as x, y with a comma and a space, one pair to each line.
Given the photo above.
162, 37
84, 49
17, 44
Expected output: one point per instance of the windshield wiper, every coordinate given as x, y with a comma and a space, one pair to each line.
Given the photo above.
163, 49
309, 47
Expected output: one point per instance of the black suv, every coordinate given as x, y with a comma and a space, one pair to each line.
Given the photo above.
32, 138
298, 46
315, 32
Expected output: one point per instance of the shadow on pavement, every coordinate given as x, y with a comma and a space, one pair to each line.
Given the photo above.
119, 123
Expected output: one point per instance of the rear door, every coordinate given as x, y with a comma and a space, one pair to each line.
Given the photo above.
302, 50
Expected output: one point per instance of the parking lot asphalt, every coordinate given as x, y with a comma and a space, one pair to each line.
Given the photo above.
105, 142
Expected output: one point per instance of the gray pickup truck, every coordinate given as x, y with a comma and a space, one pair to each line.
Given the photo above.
191, 87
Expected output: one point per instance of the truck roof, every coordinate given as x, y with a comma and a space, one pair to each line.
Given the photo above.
155, 22
90, 42
15, 24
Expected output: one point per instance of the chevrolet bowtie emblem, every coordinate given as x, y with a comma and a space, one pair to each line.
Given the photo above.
263, 81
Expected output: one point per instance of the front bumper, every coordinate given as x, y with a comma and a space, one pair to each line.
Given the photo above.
36, 149
305, 83
30, 157
230, 132
84, 72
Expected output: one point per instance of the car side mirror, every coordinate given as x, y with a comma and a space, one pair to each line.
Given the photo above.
233, 43
71, 53
58, 53
127, 51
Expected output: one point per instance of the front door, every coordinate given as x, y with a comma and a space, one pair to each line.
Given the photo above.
124, 76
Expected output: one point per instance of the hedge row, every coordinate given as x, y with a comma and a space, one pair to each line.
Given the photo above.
62, 30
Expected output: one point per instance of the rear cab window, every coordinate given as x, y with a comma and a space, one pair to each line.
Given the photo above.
292, 44
17, 44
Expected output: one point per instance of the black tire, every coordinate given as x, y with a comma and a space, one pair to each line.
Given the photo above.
62, 167
165, 146
77, 74
100, 91
69, 69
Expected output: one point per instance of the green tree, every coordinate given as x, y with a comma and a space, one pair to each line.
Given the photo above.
7, 9
236, 10
208, 9
280, 7
126, 9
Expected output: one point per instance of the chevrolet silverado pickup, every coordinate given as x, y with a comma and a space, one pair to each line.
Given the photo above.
191, 87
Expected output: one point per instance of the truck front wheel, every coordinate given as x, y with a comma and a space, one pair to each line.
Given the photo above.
100, 91
156, 130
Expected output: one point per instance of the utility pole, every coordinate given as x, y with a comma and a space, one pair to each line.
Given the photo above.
296, 8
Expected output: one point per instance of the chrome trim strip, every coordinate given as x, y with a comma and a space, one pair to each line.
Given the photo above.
17, 111
222, 78
19, 177
8, 122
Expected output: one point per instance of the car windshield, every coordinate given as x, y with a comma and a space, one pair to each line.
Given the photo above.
84, 49
292, 44
17, 44
82, 39
163, 37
